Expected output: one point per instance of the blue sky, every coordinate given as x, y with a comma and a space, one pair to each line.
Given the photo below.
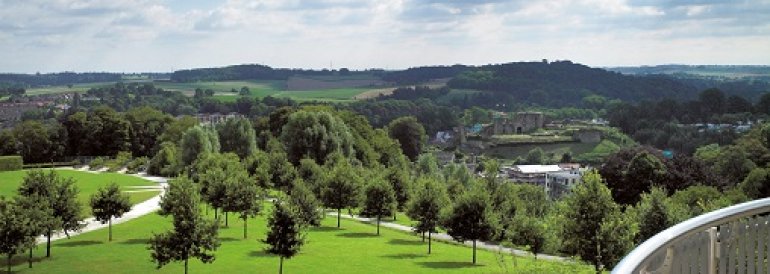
163, 35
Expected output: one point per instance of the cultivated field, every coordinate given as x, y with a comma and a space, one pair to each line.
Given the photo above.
352, 249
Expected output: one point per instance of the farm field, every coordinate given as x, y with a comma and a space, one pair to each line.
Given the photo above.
352, 249
62, 89
88, 183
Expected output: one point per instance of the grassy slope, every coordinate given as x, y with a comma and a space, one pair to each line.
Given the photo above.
88, 183
352, 249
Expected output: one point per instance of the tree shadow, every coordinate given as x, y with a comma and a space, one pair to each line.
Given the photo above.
442, 265
357, 235
324, 229
229, 239
260, 253
20, 260
405, 242
78, 243
403, 256
135, 242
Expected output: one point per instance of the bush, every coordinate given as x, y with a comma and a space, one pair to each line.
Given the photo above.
8, 163
96, 163
120, 161
137, 165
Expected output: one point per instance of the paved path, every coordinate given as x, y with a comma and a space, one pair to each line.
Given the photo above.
137, 210
152, 205
445, 237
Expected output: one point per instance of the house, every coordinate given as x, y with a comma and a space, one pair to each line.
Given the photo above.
556, 180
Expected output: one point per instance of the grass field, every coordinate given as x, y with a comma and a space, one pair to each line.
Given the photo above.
88, 183
63, 89
353, 249
511, 152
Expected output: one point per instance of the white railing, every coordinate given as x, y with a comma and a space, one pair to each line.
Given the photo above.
730, 240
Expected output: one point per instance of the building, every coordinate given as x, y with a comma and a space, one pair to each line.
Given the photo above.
519, 123
556, 180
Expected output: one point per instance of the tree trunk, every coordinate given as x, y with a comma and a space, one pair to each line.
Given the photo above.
185, 265
226, 224
339, 213
48, 244
423, 236
378, 225
395, 212
280, 266
428, 241
216, 215
474, 251
30, 257
245, 225
9, 261
110, 228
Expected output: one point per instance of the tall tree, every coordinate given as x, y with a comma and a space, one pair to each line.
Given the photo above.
108, 203
380, 199
37, 217
147, 125
315, 135
342, 187
426, 206
59, 195
13, 234
471, 218
410, 135
305, 203
192, 235
654, 214
243, 197
197, 141
238, 136
108, 132
757, 184
589, 216
643, 172
284, 237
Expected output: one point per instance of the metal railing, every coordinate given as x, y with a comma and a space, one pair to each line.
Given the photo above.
735, 239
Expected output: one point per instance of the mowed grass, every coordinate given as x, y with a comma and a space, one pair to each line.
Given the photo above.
258, 88
352, 249
88, 183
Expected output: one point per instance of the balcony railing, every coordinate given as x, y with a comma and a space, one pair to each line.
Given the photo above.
735, 239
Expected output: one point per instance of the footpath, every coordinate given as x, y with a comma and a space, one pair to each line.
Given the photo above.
446, 238
137, 210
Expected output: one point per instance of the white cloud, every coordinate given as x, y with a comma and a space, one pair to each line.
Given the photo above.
120, 35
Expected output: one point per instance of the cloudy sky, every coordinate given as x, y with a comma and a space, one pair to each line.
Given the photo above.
164, 35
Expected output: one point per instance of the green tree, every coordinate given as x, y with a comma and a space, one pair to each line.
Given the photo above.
174, 131
643, 172
312, 176
60, 196
284, 237
305, 203
146, 126
653, 214
108, 132
167, 162
590, 216
192, 235
37, 217
315, 135
427, 205
757, 184
410, 135
35, 143
471, 218
13, 234
258, 166
536, 156
530, 232
379, 199
342, 187
402, 186
733, 164
238, 136
197, 141
216, 174
109, 202
242, 196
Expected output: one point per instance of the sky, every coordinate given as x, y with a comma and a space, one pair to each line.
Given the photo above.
167, 35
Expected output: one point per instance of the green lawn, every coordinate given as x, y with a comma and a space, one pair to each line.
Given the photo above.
353, 249
88, 183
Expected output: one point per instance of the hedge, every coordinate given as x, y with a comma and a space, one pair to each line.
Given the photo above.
8, 163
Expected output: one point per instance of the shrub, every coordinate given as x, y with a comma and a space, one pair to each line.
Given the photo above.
96, 163
121, 160
137, 165
8, 163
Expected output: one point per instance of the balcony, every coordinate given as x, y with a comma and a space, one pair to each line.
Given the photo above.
735, 239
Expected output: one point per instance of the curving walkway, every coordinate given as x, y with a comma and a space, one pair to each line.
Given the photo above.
137, 210
446, 238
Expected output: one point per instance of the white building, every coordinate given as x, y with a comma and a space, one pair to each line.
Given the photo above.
556, 180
